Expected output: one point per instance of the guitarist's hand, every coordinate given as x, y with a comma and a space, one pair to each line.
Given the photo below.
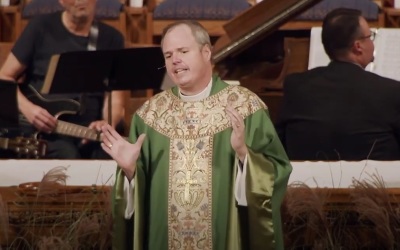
40, 118
122, 151
96, 125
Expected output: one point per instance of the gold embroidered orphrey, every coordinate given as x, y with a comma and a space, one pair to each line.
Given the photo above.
191, 127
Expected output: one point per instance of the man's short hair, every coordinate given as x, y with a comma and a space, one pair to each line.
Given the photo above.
340, 29
199, 32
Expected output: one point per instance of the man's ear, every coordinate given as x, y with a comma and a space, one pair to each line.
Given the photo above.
207, 51
357, 47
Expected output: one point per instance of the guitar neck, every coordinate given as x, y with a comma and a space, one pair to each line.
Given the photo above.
66, 128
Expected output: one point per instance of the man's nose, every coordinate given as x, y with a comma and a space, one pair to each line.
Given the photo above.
176, 58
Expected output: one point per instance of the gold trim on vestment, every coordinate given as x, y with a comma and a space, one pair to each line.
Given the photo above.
174, 118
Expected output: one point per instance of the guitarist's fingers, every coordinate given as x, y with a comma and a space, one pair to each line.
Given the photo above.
97, 125
43, 126
92, 125
45, 121
48, 118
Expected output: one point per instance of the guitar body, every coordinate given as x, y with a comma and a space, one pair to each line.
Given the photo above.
55, 107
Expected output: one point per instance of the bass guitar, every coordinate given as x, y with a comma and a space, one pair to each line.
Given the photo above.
58, 107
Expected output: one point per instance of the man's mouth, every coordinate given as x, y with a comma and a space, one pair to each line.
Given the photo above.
179, 71
81, 7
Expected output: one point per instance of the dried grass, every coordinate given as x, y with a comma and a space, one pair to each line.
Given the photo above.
87, 228
378, 212
4, 225
371, 222
308, 225
55, 177
371, 219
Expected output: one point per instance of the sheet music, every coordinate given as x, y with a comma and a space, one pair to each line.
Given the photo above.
317, 56
387, 53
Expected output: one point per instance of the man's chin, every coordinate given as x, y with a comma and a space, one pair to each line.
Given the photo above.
181, 84
81, 17
180, 81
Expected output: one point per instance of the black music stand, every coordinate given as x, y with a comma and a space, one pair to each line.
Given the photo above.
138, 69
105, 71
9, 112
8, 115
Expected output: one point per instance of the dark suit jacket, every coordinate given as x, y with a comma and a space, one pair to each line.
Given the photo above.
340, 112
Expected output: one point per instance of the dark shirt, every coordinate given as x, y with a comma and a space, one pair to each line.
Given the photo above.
340, 112
44, 36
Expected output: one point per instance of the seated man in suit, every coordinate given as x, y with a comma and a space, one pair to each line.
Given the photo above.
342, 112
73, 29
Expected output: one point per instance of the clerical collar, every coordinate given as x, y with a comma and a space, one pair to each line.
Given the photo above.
197, 97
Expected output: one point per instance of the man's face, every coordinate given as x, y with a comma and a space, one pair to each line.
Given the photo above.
186, 61
366, 44
79, 9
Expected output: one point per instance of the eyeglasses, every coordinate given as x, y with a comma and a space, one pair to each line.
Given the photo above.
371, 36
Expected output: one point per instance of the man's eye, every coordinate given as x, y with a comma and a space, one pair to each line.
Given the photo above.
167, 56
184, 51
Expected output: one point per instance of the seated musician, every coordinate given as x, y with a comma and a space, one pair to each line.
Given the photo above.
73, 29
342, 111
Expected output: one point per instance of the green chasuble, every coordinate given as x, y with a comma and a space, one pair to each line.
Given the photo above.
185, 177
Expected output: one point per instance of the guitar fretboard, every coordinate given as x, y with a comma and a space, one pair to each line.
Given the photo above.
71, 129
